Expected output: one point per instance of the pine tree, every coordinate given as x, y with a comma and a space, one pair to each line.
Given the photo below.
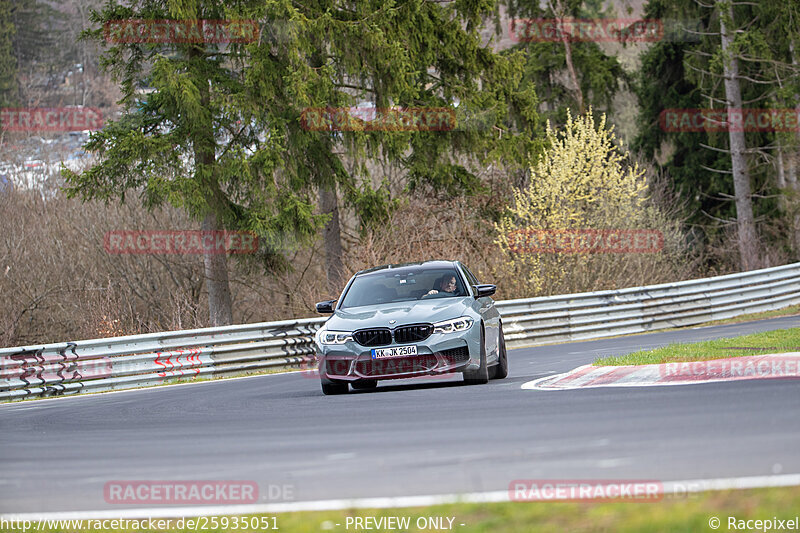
729, 175
568, 73
222, 134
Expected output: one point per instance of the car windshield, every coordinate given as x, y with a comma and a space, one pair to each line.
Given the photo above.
401, 285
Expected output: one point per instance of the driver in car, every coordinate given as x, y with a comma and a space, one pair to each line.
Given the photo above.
446, 286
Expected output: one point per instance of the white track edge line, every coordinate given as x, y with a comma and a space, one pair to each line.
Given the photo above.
534, 384
693, 486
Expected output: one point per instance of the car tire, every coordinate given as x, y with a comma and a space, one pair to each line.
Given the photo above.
333, 387
364, 384
500, 370
481, 375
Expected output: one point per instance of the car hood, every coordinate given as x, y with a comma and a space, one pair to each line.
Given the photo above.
412, 312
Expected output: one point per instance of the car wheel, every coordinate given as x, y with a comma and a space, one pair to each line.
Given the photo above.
481, 375
333, 387
500, 370
364, 384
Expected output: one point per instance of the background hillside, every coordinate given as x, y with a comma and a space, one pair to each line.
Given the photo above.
57, 280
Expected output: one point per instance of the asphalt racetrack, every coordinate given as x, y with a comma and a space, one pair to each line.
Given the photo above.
405, 438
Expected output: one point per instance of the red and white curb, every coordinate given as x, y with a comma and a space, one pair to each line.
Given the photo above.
771, 366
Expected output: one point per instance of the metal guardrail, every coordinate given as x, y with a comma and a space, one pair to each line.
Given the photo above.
598, 314
155, 358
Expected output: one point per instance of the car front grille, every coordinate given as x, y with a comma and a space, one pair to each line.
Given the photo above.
373, 337
384, 336
396, 365
456, 355
415, 333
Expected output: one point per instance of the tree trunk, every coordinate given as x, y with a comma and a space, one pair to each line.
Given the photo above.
781, 178
793, 162
220, 308
791, 192
332, 237
747, 238
573, 75
794, 154
559, 11
791, 173
215, 262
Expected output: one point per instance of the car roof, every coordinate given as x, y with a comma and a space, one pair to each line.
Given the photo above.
432, 264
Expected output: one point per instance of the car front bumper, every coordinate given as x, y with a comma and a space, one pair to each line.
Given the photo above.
438, 354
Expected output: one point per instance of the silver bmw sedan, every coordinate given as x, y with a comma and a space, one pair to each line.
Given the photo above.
410, 320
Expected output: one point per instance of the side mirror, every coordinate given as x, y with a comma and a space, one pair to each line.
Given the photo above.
485, 289
326, 306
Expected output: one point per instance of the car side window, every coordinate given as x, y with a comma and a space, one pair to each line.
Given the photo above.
470, 276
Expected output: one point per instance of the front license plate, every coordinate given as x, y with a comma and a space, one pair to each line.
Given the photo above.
395, 351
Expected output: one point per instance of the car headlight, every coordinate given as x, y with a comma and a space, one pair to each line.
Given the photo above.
334, 337
453, 326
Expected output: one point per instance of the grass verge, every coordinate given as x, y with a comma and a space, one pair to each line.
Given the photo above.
693, 512
777, 341
786, 311
751, 317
